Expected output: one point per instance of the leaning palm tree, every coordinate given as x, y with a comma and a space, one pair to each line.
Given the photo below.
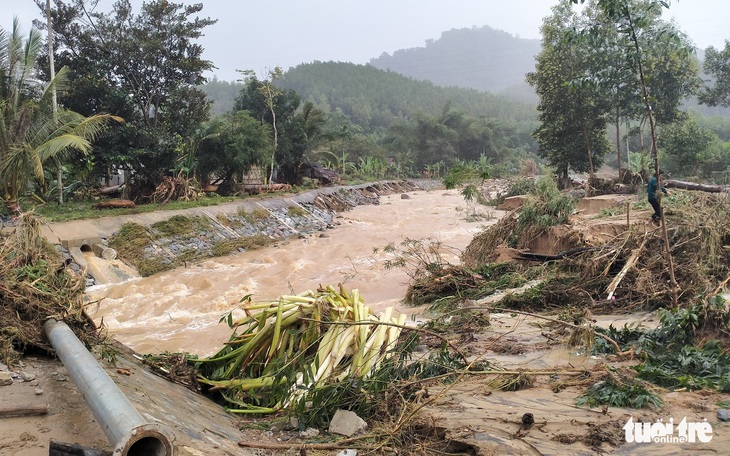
31, 130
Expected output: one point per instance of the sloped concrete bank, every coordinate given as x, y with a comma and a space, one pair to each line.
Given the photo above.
223, 229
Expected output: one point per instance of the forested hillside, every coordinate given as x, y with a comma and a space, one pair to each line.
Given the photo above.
373, 98
479, 58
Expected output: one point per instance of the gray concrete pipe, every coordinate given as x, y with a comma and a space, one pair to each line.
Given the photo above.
123, 425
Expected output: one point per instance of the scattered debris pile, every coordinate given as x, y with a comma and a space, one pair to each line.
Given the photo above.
36, 285
626, 271
291, 351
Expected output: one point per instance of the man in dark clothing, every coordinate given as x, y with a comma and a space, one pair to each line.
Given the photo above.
651, 189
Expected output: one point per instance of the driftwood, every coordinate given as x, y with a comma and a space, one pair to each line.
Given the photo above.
70, 449
113, 190
255, 189
28, 410
113, 204
694, 186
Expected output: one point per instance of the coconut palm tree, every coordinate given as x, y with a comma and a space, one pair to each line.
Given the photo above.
31, 130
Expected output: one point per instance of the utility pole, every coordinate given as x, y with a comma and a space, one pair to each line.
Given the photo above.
59, 167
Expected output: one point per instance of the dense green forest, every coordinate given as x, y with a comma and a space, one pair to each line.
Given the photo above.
132, 101
373, 98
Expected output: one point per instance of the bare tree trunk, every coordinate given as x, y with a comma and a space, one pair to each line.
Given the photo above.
587, 139
695, 186
655, 154
618, 142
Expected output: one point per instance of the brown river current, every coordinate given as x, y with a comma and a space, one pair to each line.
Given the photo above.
179, 310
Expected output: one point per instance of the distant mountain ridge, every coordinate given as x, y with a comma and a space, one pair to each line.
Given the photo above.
480, 58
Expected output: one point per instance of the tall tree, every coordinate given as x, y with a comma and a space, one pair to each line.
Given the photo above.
686, 144
270, 93
231, 144
146, 63
717, 65
634, 20
573, 107
276, 107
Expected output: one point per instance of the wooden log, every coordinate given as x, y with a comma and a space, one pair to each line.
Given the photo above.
71, 449
255, 189
113, 204
694, 186
7, 411
113, 190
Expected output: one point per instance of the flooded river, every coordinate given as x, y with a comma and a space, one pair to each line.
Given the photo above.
179, 310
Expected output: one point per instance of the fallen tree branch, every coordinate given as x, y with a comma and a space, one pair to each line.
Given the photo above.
721, 286
694, 186
28, 410
629, 264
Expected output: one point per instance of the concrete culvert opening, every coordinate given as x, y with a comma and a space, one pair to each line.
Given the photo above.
85, 248
149, 446
146, 440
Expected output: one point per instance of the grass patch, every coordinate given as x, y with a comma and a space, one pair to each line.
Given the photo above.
258, 213
224, 220
151, 266
130, 242
179, 225
296, 211
227, 246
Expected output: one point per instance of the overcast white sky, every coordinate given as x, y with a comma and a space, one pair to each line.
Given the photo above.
260, 35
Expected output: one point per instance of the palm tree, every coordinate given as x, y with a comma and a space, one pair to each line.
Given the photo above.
31, 132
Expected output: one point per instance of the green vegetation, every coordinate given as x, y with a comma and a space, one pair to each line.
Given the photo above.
181, 224
680, 352
258, 213
296, 211
130, 243
616, 392
545, 206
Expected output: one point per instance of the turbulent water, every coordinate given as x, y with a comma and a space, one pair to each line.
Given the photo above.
179, 310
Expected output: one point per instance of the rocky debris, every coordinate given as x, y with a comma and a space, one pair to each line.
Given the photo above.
6, 379
346, 423
723, 415
309, 433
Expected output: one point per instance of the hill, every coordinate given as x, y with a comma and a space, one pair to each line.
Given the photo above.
373, 98
479, 58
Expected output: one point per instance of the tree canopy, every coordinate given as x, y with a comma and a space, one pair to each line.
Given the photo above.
145, 67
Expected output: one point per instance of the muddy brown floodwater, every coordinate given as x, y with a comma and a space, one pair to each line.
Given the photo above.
179, 310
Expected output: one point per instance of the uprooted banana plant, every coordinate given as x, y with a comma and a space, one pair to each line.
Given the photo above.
286, 348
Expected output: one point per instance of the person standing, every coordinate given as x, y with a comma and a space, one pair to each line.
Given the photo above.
651, 188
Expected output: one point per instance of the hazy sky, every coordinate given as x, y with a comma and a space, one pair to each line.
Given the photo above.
260, 35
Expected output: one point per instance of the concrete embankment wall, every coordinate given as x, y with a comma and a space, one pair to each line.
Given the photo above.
276, 216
